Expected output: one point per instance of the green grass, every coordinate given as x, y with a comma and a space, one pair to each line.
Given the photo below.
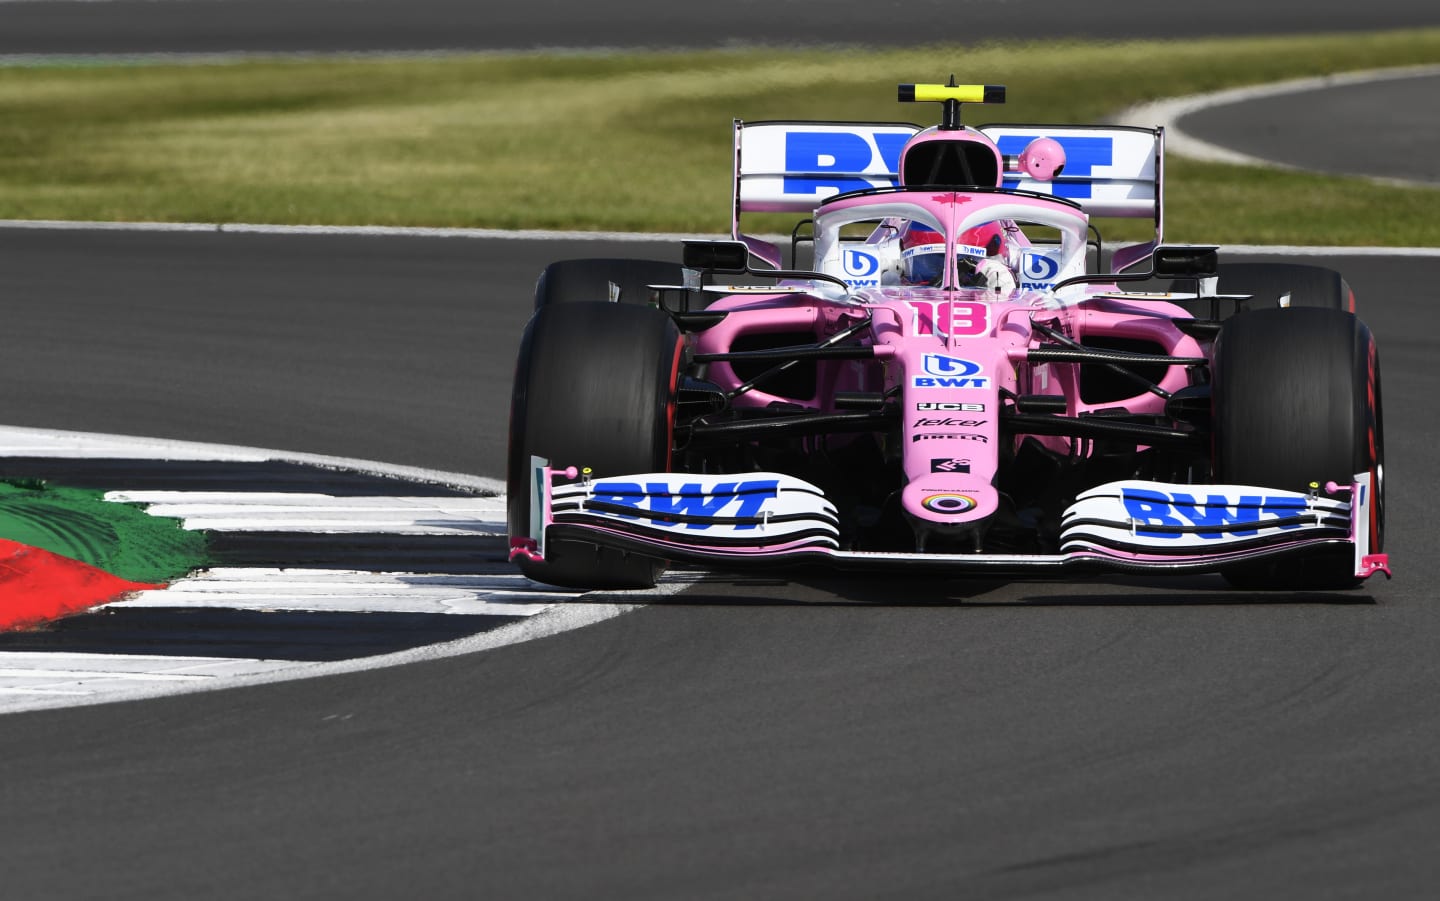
625, 142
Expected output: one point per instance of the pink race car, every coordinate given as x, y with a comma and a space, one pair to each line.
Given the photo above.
956, 378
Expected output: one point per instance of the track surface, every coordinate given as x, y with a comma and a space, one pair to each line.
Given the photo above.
1105, 739
208, 26
1388, 128
1098, 740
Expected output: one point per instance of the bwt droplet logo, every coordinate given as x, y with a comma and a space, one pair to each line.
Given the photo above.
1037, 268
950, 372
859, 264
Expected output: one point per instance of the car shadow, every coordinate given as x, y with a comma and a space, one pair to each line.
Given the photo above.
808, 589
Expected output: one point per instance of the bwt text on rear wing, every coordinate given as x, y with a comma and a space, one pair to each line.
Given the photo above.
792, 166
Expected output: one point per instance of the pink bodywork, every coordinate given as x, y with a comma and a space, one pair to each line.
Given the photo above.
954, 351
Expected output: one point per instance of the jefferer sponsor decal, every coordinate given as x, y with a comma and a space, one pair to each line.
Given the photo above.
949, 464
1159, 514
949, 504
950, 372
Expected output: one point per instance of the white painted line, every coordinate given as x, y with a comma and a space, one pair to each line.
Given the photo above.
1169, 111
72, 448
300, 500
353, 591
33, 679
17, 441
279, 512
379, 231
1300, 250
46, 679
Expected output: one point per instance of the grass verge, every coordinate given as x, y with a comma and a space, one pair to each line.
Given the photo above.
626, 142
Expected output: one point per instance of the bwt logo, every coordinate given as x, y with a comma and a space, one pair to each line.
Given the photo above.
950, 372
1038, 271
860, 264
657, 500
817, 154
860, 268
1082, 155
1154, 508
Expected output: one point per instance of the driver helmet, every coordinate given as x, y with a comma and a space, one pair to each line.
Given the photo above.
980, 257
922, 256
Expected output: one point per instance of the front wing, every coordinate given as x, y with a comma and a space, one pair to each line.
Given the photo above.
754, 519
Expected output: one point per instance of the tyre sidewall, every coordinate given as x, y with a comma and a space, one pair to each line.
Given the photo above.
1295, 404
594, 388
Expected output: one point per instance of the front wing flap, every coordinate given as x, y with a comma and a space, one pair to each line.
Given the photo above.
768, 518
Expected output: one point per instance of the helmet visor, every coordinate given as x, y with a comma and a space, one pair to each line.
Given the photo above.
923, 264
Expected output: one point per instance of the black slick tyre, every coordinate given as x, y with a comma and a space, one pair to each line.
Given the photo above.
1296, 401
594, 387
616, 280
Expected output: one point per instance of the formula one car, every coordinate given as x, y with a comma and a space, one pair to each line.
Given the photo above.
956, 382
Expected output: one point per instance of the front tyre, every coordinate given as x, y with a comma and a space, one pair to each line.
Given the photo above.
594, 387
1296, 400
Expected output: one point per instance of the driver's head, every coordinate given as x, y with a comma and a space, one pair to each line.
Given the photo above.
990, 236
981, 259
922, 256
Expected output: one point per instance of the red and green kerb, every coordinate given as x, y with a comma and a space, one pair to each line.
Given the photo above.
63, 550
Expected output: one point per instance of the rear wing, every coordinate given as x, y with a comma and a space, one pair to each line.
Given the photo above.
790, 167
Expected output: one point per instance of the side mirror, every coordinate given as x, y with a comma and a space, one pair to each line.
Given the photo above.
1185, 261
716, 256
1042, 159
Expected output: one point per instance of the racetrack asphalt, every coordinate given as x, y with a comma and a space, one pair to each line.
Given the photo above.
1387, 128
1115, 738
750, 738
215, 26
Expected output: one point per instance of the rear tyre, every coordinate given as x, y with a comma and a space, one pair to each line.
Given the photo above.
616, 280
594, 387
1296, 400
1308, 286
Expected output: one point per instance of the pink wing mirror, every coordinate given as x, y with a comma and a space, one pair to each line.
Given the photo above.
1042, 159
